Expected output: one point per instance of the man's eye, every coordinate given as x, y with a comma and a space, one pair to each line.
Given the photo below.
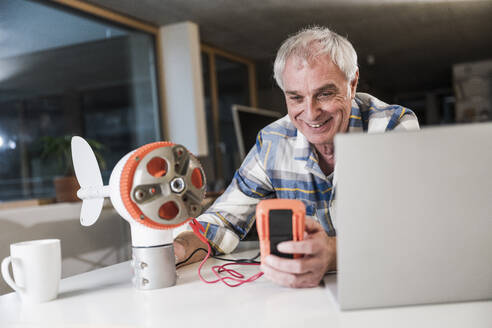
325, 94
296, 98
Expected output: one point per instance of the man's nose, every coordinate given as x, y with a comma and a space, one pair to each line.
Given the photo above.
312, 110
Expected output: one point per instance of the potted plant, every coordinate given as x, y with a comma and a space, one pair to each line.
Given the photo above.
66, 186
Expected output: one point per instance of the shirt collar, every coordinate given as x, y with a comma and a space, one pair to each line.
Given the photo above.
355, 120
304, 151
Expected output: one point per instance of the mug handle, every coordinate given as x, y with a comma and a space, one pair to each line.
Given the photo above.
6, 274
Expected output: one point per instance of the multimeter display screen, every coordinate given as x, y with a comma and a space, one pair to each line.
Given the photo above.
280, 230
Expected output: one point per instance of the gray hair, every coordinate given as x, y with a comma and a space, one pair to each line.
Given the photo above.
312, 42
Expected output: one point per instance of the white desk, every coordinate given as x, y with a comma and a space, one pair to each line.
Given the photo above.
106, 298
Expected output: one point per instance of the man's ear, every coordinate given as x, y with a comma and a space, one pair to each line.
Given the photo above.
353, 84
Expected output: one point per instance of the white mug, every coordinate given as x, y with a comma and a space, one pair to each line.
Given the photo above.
36, 266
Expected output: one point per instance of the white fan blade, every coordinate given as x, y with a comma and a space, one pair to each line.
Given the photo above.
89, 177
85, 164
90, 211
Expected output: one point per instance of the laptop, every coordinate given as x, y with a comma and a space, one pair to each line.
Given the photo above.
413, 217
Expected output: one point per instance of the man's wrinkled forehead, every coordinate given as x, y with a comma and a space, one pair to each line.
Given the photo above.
310, 57
296, 62
317, 74
299, 63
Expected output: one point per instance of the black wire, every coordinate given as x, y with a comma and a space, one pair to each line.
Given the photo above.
189, 257
251, 260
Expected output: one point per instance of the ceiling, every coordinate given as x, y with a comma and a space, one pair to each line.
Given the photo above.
414, 43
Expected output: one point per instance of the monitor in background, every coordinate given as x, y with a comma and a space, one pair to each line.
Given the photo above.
248, 121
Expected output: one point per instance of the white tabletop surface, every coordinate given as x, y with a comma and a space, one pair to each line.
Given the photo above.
106, 298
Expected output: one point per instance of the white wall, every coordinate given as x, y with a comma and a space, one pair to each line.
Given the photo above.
184, 117
83, 248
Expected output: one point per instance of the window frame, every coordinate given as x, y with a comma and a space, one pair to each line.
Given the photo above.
212, 51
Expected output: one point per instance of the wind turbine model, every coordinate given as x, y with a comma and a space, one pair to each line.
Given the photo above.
156, 188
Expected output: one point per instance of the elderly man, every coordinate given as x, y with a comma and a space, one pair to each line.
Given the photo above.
294, 156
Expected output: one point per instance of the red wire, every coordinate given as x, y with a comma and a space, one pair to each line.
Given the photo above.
218, 269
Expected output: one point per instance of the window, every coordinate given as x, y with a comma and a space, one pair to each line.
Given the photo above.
228, 80
64, 73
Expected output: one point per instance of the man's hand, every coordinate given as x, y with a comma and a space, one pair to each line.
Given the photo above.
185, 244
319, 257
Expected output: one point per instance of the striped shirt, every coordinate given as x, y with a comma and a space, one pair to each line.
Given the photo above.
283, 164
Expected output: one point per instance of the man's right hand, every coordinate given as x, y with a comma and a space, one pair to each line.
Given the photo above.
185, 244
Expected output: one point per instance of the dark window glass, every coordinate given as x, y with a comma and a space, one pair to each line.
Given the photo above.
62, 74
208, 163
233, 88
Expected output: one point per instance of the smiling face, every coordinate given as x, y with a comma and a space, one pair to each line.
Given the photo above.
317, 97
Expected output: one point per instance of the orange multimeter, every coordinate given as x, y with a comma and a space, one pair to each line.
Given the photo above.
279, 220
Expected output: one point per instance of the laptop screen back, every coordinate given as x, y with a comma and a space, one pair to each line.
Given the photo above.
414, 216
